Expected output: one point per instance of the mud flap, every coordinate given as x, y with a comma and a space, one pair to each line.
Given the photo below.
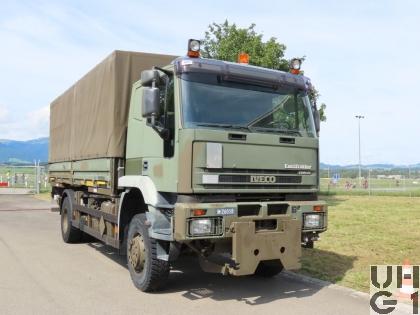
250, 247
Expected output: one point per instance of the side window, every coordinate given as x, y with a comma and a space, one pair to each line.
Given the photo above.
162, 99
169, 117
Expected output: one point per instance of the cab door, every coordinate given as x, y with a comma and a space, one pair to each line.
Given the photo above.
147, 153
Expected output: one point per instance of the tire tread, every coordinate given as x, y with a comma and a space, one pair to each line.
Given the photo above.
158, 273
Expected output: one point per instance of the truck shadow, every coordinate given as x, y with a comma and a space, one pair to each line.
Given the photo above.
187, 278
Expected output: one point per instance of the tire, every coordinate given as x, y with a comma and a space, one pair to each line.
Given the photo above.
269, 268
147, 272
309, 244
69, 233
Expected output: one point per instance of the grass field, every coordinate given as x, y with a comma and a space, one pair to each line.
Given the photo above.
362, 231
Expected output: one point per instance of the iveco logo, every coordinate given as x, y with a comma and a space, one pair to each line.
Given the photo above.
263, 179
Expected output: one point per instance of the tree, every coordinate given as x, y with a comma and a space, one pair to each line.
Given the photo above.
322, 115
224, 41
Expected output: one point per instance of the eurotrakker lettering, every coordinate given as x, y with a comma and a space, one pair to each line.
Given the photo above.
298, 166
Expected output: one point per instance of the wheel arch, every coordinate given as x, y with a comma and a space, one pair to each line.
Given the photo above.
141, 196
132, 203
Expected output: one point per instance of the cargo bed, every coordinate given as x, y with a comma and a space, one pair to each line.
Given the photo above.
99, 175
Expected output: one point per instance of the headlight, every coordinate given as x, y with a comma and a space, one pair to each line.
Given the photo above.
312, 221
193, 48
205, 226
201, 227
194, 45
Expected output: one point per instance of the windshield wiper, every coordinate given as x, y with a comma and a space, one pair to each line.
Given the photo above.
224, 126
251, 129
277, 130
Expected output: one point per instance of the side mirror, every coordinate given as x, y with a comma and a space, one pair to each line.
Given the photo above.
150, 102
148, 77
317, 119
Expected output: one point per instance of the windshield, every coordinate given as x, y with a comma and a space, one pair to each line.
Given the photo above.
211, 102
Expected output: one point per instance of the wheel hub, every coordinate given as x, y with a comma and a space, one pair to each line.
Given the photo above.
136, 253
64, 221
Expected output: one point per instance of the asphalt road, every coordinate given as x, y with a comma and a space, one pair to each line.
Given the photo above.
39, 274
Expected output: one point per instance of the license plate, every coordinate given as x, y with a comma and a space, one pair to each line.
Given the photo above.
225, 211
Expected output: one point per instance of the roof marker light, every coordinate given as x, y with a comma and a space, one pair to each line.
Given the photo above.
194, 48
294, 65
243, 58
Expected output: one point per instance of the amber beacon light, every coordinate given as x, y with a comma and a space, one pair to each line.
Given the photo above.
294, 65
194, 48
243, 58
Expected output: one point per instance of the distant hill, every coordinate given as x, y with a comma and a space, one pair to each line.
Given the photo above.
325, 166
25, 152
22, 152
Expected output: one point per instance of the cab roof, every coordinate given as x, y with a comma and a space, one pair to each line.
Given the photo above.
232, 71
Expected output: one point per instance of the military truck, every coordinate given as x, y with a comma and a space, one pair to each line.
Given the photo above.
160, 156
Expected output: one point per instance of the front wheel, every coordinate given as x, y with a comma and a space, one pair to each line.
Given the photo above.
147, 271
308, 244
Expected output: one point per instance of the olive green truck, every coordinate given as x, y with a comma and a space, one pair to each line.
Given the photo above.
160, 156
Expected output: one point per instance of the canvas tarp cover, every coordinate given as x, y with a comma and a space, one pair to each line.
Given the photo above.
90, 119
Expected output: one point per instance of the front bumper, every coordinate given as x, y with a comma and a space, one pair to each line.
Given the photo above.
256, 235
250, 247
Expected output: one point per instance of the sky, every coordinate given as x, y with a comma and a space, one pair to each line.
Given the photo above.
363, 57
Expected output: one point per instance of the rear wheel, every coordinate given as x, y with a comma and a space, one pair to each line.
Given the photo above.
69, 233
269, 268
147, 271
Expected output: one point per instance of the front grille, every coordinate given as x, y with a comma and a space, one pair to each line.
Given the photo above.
277, 208
254, 186
248, 210
249, 179
252, 171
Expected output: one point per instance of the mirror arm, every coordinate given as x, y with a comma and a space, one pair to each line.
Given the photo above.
165, 71
315, 114
162, 131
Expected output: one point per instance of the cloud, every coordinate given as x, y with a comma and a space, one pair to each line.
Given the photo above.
34, 124
4, 112
360, 55
40, 119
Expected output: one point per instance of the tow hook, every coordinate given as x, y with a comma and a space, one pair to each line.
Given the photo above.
216, 259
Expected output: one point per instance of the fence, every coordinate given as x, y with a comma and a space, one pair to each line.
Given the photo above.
24, 176
398, 185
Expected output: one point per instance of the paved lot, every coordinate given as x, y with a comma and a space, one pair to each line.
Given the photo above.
15, 191
21, 202
39, 274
